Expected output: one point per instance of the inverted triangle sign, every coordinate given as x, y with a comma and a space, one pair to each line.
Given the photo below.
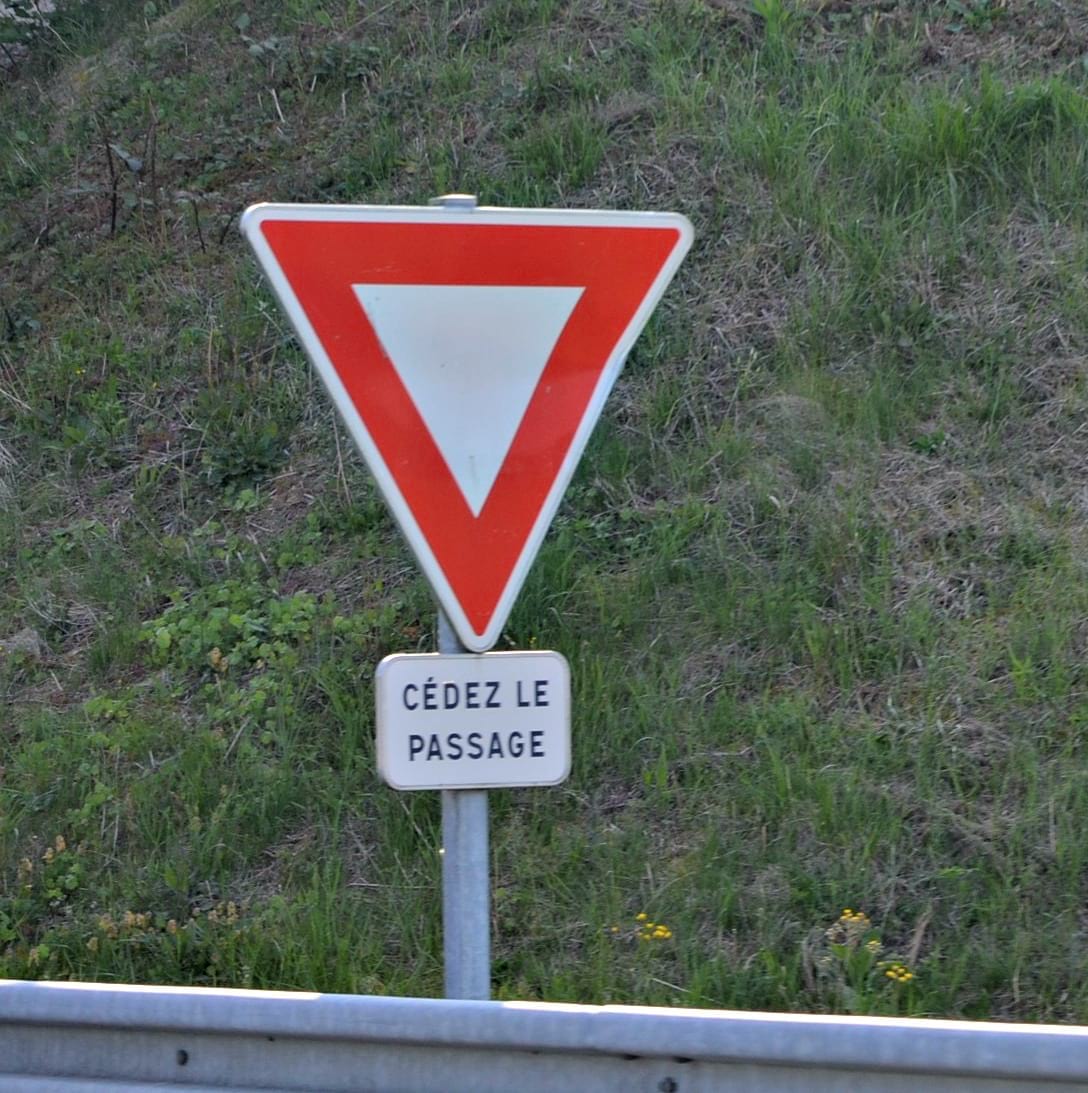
470, 353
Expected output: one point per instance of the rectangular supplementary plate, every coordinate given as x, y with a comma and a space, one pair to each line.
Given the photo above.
467, 721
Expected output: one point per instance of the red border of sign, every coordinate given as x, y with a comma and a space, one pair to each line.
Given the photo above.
314, 254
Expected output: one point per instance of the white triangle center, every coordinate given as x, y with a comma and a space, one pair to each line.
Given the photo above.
470, 357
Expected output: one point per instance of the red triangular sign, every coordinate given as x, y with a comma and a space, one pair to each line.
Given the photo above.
470, 352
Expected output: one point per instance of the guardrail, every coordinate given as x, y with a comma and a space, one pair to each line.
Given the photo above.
78, 1038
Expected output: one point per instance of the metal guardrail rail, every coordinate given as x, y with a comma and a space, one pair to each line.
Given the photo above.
78, 1038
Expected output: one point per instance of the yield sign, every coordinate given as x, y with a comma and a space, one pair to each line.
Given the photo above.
470, 352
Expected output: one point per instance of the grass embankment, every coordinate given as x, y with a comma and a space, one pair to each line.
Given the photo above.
821, 577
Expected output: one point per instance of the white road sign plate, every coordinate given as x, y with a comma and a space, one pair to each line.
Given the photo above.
467, 721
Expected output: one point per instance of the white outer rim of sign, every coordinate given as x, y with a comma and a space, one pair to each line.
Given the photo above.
386, 663
250, 223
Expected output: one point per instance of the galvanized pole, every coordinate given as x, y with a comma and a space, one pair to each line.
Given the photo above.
466, 887
466, 894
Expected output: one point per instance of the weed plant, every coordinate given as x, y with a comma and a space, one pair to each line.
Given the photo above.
821, 577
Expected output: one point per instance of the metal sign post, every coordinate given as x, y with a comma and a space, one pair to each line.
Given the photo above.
466, 868
466, 876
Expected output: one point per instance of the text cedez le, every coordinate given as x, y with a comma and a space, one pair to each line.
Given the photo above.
476, 694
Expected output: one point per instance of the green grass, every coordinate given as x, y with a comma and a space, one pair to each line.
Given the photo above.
820, 577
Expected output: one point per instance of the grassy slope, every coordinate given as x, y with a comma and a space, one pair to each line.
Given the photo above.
821, 577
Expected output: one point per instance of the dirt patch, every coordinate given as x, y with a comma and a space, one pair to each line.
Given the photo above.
1022, 36
1013, 35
